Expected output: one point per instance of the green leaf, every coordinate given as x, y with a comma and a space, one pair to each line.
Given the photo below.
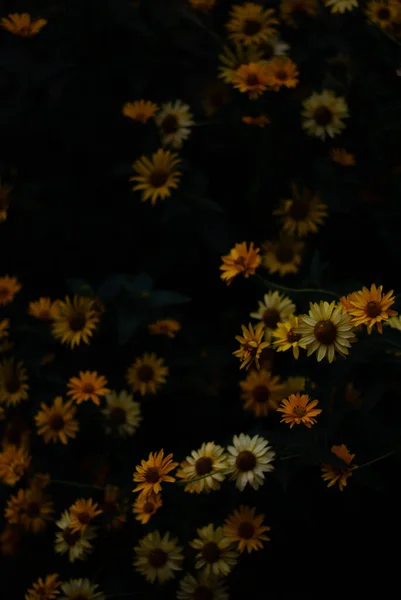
78, 286
165, 297
139, 284
127, 325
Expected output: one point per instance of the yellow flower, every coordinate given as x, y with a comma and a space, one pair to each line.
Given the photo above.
9, 541
339, 474
382, 13
44, 589
30, 508
140, 110
371, 307
231, 60
215, 555
206, 467
9, 286
299, 409
261, 392
13, 386
81, 589
246, 528
327, 329
88, 386
76, 543
75, 321
147, 374
114, 510
82, 513
274, 309
174, 121
260, 121
250, 24
251, 78
342, 157
158, 557
22, 24
302, 214
157, 177
290, 7
168, 327
145, 508
122, 413
281, 72
57, 422
202, 586
251, 345
202, 5
13, 464
286, 338
151, 473
284, 256
340, 6
4, 201
43, 309
240, 261
323, 114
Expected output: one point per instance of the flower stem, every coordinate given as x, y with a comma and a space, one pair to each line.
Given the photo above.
378, 458
283, 288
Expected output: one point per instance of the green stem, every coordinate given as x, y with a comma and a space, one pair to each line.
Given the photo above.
78, 485
283, 288
290, 456
375, 460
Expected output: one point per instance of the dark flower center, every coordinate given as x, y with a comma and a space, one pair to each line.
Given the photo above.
169, 124
299, 411
13, 383
203, 465
77, 321
281, 75
141, 117
299, 210
145, 373
148, 507
271, 317
158, 178
83, 518
56, 422
293, 337
4, 292
88, 388
284, 253
211, 552
203, 593
157, 558
246, 461
70, 537
323, 116
251, 27
33, 509
260, 394
240, 261
118, 416
80, 597
373, 309
325, 332
252, 79
152, 475
246, 530
383, 14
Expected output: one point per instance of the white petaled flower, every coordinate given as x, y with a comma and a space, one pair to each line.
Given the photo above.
81, 589
323, 114
274, 46
174, 120
158, 557
249, 459
274, 309
207, 466
123, 415
327, 329
202, 587
76, 543
215, 552
340, 6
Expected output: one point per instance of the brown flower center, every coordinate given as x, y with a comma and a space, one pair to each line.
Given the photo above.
152, 475
246, 461
325, 332
83, 517
145, 373
77, 321
169, 124
293, 337
252, 79
158, 178
44, 314
284, 253
118, 416
299, 411
13, 382
203, 465
373, 309
299, 209
32, 509
271, 317
157, 558
281, 75
323, 116
246, 530
383, 14
141, 117
4, 293
240, 262
56, 422
251, 27
211, 552
203, 593
260, 394
80, 597
70, 537
88, 388
148, 507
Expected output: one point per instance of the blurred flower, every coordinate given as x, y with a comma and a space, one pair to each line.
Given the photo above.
44, 589
245, 528
151, 473
4, 201
140, 110
274, 309
114, 509
75, 321
249, 459
251, 345
251, 78
202, 586
122, 414
145, 508
286, 338
327, 329
147, 374
9, 542
299, 409
302, 214
158, 557
206, 466
240, 261
290, 7
323, 114
174, 120
202, 5
281, 72
13, 386
283, 256
88, 386
158, 176
231, 60
382, 13
76, 543
339, 474
251, 24
9, 286
81, 589
13, 464
4, 325
30, 508
260, 121
371, 307
43, 309
261, 392
22, 24
340, 6
272, 47
353, 395
57, 422
342, 157
215, 554
394, 322
168, 327
82, 512
295, 384
215, 95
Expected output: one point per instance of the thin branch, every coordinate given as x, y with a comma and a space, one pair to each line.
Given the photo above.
297, 291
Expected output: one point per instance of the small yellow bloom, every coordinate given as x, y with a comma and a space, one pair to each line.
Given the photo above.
342, 157
382, 13
251, 79
281, 72
9, 286
44, 589
31, 509
57, 422
156, 178
299, 409
261, 392
251, 345
145, 508
302, 214
260, 121
152, 472
14, 462
371, 307
284, 256
147, 374
286, 338
88, 386
82, 513
251, 24
75, 320
43, 309
339, 474
240, 261
140, 110
13, 382
22, 24
168, 327
323, 114
246, 529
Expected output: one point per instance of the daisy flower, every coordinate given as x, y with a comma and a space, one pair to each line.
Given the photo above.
13, 464
13, 386
81, 589
240, 261
302, 214
31, 509
274, 309
205, 466
145, 508
44, 309
281, 72
215, 555
342, 157
299, 409
56, 422
140, 110
323, 114
168, 327
246, 529
158, 557
9, 286
251, 79
174, 121
82, 513
147, 374
285, 337
371, 307
249, 459
382, 13
261, 392
88, 386
340, 6
22, 25
250, 24
75, 321
339, 475
202, 586
232, 59
289, 8
251, 345
46, 589
156, 177
122, 414
151, 473
76, 543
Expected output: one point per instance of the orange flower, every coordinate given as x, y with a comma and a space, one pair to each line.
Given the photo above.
282, 72
240, 260
13, 464
251, 78
299, 409
22, 24
339, 474
251, 345
9, 286
88, 386
152, 472
260, 121
371, 307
